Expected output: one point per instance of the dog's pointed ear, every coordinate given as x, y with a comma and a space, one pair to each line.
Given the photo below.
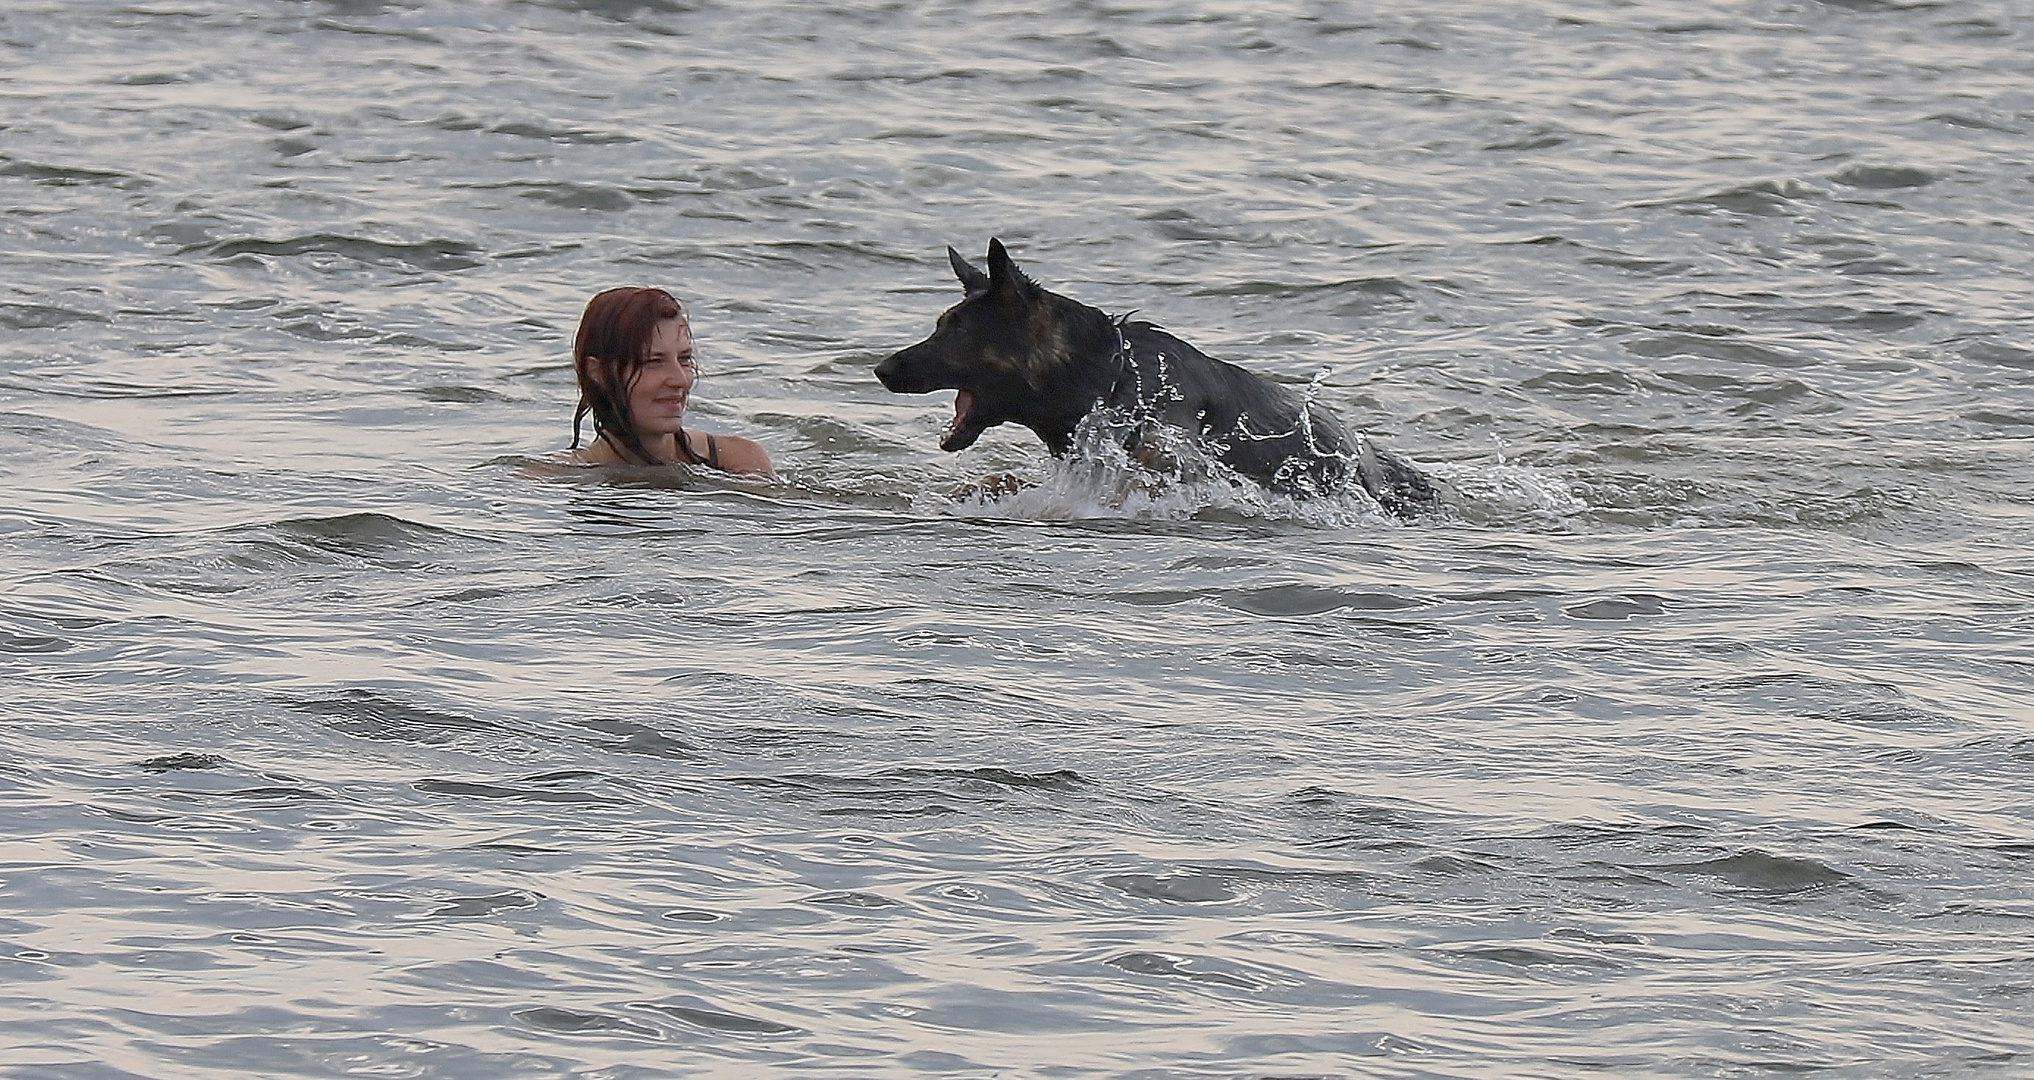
972, 280
1003, 272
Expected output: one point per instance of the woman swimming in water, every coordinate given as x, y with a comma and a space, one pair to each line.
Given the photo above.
634, 361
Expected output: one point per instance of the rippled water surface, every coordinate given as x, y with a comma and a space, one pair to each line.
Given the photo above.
1693, 740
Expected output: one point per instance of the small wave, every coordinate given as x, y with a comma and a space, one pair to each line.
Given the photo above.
1521, 956
460, 395
1300, 599
1883, 177
65, 175
1175, 967
1585, 382
1057, 779
1617, 608
915, 792
1993, 352
830, 434
1716, 348
1759, 198
1184, 888
639, 739
564, 135
419, 36
272, 793
365, 535
851, 899
1639, 265
43, 317
827, 252
569, 195
622, 11
1758, 871
1976, 123
1383, 288
573, 1022
22, 644
433, 256
178, 762
367, 715
2000, 418
578, 196
514, 791
112, 389
716, 1020
1891, 317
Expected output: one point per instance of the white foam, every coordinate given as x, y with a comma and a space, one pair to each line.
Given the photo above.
1499, 492
1173, 477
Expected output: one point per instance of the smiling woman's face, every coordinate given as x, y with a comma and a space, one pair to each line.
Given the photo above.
663, 382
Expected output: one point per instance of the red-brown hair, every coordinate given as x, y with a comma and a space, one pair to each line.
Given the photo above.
615, 332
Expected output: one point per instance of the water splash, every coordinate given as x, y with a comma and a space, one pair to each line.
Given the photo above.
1505, 494
1171, 476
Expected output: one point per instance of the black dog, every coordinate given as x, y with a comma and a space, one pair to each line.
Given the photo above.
1018, 353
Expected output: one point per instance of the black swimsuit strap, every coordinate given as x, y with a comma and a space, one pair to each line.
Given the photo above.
712, 458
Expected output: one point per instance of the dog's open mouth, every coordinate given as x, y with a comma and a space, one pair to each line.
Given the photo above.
967, 425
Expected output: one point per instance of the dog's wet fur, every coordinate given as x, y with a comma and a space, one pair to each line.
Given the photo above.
1021, 354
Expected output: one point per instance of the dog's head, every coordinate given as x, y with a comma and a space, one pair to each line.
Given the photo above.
996, 347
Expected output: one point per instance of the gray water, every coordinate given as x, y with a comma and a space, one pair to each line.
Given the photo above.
1693, 740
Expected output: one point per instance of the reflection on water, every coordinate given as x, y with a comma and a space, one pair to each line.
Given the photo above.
1690, 741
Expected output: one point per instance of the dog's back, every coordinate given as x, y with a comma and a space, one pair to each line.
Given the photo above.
1289, 443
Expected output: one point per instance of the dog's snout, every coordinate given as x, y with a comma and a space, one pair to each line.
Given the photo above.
900, 375
886, 372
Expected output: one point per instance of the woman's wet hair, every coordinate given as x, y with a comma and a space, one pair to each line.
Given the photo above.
614, 335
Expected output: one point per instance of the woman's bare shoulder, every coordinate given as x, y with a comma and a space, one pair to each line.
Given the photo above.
744, 456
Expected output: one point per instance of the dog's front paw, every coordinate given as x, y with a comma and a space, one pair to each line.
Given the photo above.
993, 486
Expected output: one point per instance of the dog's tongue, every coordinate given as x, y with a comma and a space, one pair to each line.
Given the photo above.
964, 430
